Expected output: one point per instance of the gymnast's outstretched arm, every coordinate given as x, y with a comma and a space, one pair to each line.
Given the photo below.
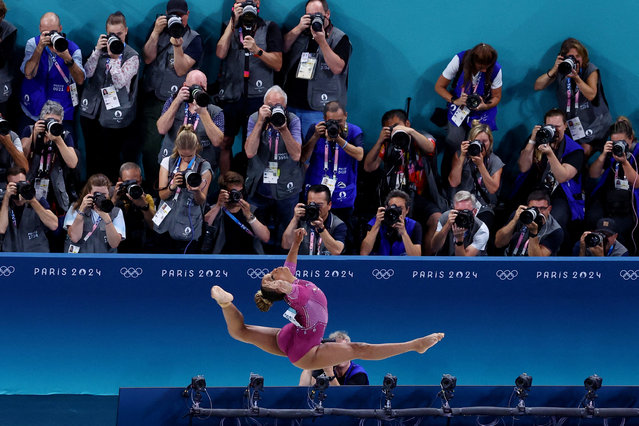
291, 258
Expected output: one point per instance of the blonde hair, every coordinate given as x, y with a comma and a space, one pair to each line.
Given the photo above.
186, 139
477, 128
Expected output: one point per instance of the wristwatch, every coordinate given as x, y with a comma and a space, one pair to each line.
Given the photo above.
453, 98
331, 378
259, 53
69, 63
320, 230
459, 243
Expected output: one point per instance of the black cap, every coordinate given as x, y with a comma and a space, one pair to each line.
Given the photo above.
177, 6
606, 225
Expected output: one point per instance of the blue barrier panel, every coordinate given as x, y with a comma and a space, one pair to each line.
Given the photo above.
93, 324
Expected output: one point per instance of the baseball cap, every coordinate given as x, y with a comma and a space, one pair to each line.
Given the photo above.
177, 6
606, 225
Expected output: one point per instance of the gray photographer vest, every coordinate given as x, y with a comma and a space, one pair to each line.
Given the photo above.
291, 179
332, 222
448, 248
159, 75
184, 221
97, 242
325, 86
232, 69
29, 236
92, 104
6, 29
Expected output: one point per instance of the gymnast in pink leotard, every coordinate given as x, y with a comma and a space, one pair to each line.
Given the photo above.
302, 343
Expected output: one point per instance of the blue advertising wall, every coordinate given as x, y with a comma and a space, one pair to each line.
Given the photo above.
93, 324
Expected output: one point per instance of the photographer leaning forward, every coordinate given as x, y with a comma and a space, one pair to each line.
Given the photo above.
459, 232
601, 242
325, 232
52, 69
390, 232
93, 224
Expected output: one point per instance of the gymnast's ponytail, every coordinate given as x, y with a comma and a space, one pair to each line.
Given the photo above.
262, 303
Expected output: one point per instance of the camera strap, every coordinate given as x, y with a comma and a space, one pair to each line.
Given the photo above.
13, 218
177, 169
477, 183
247, 57
572, 97
186, 117
336, 151
236, 220
95, 226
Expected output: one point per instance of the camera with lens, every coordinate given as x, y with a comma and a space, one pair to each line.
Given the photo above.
235, 196
114, 44
58, 41
473, 101
132, 188
594, 239
568, 65
619, 148
5, 127
333, 129
102, 202
53, 126
530, 215
317, 22
278, 115
192, 178
26, 189
199, 95
174, 26
392, 215
311, 212
465, 219
546, 135
248, 17
399, 139
475, 148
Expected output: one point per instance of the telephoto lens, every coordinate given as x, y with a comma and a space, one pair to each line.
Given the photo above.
593, 239
317, 22
5, 128
529, 215
58, 41
199, 95
132, 188
174, 26
475, 148
278, 116
102, 202
115, 44
53, 126
193, 178
546, 135
400, 139
567, 65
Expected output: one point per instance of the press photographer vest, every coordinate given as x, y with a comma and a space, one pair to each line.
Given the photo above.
6, 77
325, 86
92, 103
39, 89
385, 246
572, 188
232, 69
291, 178
97, 242
184, 221
159, 75
449, 246
516, 248
604, 178
28, 236
331, 223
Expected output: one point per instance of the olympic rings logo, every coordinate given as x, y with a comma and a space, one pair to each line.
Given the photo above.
5, 271
507, 274
382, 274
256, 272
131, 272
629, 275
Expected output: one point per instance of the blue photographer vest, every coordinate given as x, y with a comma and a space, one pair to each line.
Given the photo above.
48, 84
28, 236
608, 170
572, 188
6, 76
397, 248
488, 116
92, 104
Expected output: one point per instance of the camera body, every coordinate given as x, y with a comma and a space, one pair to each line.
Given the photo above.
53, 126
619, 148
114, 44
102, 202
392, 215
174, 26
333, 129
568, 65
278, 115
473, 101
198, 95
546, 135
465, 219
132, 188
475, 148
248, 17
235, 196
5, 127
530, 215
594, 239
311, 212
58, 41
317, 22
25, 189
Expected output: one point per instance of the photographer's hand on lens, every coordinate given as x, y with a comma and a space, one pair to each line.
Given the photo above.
545, 149
160, 24
319, 36
533, 228
400, 226
176, 42
597, 250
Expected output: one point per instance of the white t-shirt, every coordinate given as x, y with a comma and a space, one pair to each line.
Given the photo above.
453, 66
480, 239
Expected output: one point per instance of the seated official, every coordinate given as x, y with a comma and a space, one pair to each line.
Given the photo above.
536, 233
325, 232
230, 225
94, 225
24, 219
345, 374
459, 232
390, 232
602, 242
137, 207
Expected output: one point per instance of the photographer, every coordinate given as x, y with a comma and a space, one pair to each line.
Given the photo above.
11, 152
459, 231
325, 232
24, 219
184, 181
249, 44
536, 233
8, 36
230, 225
615, 171
579, 88
109, 100
408, 165
390, 232
50, 74
137, 207
172, 49
275, 174
185, 108
93, 224
477, 169
316, 63
601, 242
552, 160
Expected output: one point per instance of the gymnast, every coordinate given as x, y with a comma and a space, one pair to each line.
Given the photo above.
302, 342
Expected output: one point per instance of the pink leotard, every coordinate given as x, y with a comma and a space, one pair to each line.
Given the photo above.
310, 304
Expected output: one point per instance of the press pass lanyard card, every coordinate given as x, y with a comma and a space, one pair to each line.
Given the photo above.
110, 97
576, 129
460, 115
73, 91
161, 214
41, 188
271, 174
290, 315
306, 68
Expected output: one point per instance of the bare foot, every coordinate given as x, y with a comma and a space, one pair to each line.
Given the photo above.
426, 342
222, 297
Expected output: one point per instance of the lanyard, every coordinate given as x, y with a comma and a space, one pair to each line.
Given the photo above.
42, 169
13, 218
108, 65
236, 220
311, 244
277, 142
612, 247
95, 226
569, 96
186, 118
516, 251
177, 169
336, 150
57, 65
